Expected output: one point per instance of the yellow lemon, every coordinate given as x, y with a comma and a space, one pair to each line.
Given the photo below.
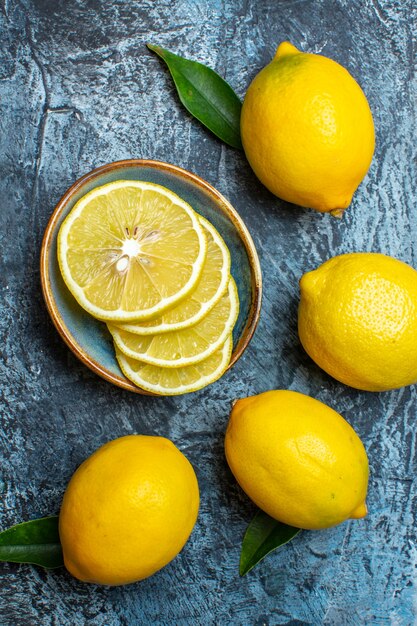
358, 320
297, 459
128, 510
307, 130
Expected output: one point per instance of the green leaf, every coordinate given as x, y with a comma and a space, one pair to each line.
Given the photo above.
34, 542
205, 95
263, 535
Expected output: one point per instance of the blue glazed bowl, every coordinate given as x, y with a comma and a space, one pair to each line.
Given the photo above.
88, 338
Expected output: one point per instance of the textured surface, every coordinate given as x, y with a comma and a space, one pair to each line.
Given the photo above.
78, 88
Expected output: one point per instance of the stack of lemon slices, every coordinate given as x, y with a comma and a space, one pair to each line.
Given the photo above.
137, 256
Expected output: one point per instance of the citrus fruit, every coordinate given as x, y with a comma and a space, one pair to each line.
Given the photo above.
210, 287
307, 130
188, 345
297, 459
358, 320
128, 510
130, 249
172, 381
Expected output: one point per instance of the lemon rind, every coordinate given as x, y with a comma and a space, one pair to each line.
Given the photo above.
227, 348
228, 327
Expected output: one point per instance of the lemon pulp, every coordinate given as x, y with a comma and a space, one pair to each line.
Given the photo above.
130, 249
178, 380
186, 346
210, 287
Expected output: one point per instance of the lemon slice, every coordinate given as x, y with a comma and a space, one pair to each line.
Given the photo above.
130, 249
172, 381
211, 286
186, 346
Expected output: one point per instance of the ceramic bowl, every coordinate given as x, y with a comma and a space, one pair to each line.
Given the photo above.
89, 338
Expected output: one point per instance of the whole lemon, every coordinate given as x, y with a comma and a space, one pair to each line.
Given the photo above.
297, 459
357, 320
307, 130
128, 510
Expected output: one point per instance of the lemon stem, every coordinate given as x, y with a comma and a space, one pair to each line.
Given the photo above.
338, 213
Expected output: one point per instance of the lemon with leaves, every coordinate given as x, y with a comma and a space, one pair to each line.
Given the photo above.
357, 320
297, 459
128, 510
307, 130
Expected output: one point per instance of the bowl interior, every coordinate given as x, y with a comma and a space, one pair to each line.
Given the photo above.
87, 336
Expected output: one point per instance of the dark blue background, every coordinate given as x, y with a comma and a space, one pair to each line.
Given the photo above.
78, 88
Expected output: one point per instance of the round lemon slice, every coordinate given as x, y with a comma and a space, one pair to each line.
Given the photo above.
130, 249
186, 346
172, 381
211, 285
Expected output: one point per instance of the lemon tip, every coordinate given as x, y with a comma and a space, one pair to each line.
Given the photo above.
285, 48
308, 282
360, 511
